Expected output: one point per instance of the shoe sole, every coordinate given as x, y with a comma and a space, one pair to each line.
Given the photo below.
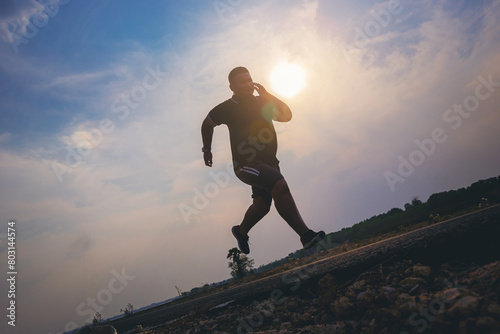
320, 236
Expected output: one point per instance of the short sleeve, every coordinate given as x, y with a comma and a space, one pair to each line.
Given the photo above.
218, 114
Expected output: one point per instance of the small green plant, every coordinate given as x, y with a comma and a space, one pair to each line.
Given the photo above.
240, 264
128, 310
97, 319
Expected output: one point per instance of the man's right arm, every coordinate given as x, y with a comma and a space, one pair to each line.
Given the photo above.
281, 111
207, 132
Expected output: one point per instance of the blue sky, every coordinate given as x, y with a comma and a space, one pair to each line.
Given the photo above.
101, 107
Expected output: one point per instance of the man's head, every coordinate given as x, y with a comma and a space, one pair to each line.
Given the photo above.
240, 81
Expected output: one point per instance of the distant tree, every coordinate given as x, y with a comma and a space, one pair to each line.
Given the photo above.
240, 264
394, 211
97, 319
415, 201
179, 290
128, 310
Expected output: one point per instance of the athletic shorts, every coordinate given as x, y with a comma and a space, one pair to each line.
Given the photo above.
261, 176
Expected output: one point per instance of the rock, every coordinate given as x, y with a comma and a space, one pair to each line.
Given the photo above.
286, 326
388, 290
336, 327
359, 285
353, 290
492, 309
291, 304
486, 272
409, 271
342, 307
327, 290
466, 326
465, 306
423, 298
306, 317
365, 296
387, 295
403, 298
410, 306
450, 295
326, 318
422, 271
487, 325
411, 282
440, 325
386, 316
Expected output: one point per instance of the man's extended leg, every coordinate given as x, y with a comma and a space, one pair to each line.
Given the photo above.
286, 207
284, 203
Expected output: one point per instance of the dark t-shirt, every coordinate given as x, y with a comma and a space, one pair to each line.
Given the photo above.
251, 129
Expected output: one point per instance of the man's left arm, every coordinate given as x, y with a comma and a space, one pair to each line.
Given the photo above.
281, 112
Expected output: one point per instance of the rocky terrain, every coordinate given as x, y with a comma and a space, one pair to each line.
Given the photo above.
397, 297
444, 278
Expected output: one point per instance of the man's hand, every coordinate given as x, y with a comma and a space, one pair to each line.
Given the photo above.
281, 112
261, 90
207, 156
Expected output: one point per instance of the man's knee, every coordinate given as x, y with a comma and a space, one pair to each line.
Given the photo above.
280, 187
262, 204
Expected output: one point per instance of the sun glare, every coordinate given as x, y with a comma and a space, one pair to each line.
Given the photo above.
288, 79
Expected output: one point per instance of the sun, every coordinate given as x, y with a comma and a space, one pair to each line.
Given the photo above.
288, 79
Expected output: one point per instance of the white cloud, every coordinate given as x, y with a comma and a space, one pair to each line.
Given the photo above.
20, 20
5, 137
16, 16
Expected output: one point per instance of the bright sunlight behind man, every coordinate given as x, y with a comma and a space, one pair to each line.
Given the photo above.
288, 79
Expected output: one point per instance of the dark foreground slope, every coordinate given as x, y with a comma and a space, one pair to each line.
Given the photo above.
443, 278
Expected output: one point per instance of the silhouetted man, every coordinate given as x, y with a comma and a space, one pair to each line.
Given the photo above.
254, 145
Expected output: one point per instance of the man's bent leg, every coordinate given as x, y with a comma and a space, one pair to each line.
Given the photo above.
284, 203
254, 214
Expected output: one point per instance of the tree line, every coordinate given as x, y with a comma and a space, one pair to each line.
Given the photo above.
438, 206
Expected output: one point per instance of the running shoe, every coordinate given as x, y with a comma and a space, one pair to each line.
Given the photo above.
242, 240
311, 238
